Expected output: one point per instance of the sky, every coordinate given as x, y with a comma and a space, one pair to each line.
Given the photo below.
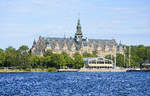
22, 21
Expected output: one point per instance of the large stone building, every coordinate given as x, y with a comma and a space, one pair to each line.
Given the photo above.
76, 44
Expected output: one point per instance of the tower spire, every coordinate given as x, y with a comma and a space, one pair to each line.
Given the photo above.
78, 34
79, 22
79, 27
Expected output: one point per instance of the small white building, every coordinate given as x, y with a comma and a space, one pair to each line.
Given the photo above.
98, 62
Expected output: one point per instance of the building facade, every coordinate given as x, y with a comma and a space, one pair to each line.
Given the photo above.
76, 44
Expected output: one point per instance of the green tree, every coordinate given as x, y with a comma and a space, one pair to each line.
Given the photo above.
23, 49
94, 53
119, 60
10, 57
147, 52
141, 52
48, 53
2, 58
78, 60
86, 54
47, 62
1, 50
24, 57
68, 60
34, 61
109, 57
25, 60
57, 60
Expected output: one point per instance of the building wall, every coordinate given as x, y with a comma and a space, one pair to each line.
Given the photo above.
40, 47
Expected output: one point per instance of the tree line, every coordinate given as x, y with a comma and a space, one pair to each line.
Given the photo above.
138, 54
22, 58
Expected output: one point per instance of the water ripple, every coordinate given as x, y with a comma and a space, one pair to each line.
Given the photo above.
75, 84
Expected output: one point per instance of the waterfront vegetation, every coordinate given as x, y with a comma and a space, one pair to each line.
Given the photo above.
23, 59
138, 54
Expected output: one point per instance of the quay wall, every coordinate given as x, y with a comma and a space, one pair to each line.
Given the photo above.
92, 70
102, 70
68, 70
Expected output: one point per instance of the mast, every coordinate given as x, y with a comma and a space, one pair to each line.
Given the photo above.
124, 56
129, 55
115, 57
111, 55
124, 59
147, 53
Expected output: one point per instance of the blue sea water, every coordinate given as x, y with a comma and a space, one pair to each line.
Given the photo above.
75, 84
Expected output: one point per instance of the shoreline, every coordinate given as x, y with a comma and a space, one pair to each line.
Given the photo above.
102, 70
59, 70
6, 70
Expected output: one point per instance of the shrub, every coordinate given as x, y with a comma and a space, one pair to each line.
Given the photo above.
52, 69
27, 69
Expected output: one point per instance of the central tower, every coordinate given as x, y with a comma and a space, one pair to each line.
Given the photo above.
78, 34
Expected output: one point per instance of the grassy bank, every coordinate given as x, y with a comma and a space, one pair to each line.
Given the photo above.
29, 70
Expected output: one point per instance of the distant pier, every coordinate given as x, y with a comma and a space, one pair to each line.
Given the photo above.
68, 70
102, 70
92, 70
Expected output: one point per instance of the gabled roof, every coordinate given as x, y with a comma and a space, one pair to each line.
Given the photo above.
52, 41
